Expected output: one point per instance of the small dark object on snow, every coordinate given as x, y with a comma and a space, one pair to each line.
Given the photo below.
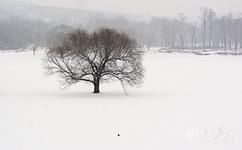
118, 134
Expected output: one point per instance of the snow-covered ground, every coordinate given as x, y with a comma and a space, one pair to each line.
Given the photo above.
201, 51
188, 102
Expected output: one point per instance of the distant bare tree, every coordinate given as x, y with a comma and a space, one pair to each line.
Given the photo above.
204, 24
37, 38
224, 31
211, 17
194, 37
230, 24
181, 29
103, 55
235, 34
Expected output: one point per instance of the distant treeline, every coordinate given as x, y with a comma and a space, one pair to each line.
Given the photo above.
212, 31
17, 33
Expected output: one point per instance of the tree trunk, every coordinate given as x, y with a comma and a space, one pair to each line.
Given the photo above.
96, 86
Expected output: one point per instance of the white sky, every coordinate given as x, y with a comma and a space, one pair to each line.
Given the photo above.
149, 7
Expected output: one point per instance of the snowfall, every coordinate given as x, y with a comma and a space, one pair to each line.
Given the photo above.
187, 102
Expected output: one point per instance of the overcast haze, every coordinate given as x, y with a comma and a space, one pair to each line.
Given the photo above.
149, 7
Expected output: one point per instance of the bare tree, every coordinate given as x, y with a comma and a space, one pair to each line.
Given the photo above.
204, 24
181, 29
224, 32
37, 38
240, 31
194, 37
103, 55
211, 17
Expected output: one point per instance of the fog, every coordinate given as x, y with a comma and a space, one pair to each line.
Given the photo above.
172, 24
147, 7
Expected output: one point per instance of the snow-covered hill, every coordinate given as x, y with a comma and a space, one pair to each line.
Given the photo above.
30, 11
49, 14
